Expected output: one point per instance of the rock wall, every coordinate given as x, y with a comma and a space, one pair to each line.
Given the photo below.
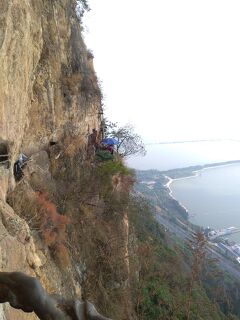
48, 92
47, 84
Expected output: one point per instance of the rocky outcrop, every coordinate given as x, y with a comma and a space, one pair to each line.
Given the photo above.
48, 93
17, 252
59, 223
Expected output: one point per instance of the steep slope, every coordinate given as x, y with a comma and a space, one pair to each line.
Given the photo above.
48, 92
72, 222
47, 85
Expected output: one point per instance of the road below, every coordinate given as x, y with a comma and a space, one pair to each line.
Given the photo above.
223, 263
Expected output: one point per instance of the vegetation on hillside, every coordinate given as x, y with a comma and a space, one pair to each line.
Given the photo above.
162, 291
171, 282
129, 273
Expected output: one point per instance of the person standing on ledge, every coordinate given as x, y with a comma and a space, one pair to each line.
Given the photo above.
92, 143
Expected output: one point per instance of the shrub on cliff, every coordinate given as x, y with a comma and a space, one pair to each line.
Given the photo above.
161, 288
53, 228
110, 173
110, 168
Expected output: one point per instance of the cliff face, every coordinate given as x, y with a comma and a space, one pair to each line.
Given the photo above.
48, 92
47, 83
67, 221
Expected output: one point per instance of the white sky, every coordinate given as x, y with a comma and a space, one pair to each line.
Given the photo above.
169, 67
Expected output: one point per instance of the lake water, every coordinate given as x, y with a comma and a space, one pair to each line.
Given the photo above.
178, 155
212, 198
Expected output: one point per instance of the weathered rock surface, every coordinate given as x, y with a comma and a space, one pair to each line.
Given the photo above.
49, 102
48, 91
47, 83
17, 252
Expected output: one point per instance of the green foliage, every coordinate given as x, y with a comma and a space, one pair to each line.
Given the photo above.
143, 220
110, 175
107, 169
157, 300
161, 290
222, 288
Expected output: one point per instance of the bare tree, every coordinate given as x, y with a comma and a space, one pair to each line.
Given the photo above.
81, 6
130, 143
197, 246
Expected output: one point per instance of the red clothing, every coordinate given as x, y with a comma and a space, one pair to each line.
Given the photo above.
110, 149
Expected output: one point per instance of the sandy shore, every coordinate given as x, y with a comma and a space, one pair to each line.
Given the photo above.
167, 185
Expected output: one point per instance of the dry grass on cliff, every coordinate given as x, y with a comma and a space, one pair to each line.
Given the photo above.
53, 228
101, 235
101, 244
97, 239
42, 216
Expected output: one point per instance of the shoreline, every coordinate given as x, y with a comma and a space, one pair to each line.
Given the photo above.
167, 185
195, 174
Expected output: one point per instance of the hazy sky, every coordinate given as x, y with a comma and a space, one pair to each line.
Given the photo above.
169, 67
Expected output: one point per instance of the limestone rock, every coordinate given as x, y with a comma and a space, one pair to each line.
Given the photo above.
47, 84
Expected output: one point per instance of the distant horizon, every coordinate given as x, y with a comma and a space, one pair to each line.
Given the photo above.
166, 156
191, 141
